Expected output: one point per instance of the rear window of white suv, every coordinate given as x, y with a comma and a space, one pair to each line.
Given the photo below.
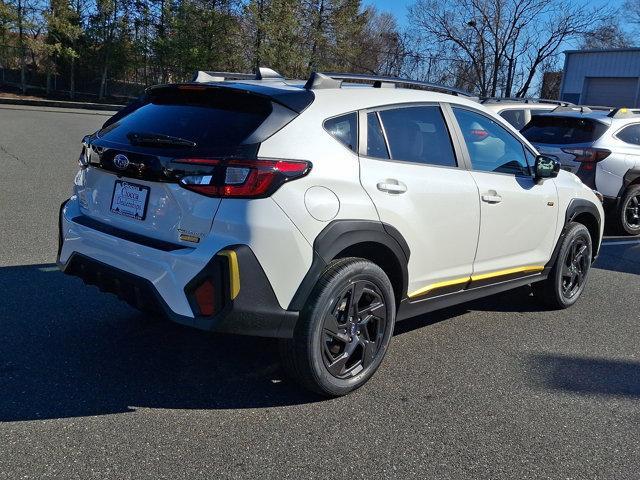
218, 119
560, 130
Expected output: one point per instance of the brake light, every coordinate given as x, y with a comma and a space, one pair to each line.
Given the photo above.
588, 155
478, 134
241, 178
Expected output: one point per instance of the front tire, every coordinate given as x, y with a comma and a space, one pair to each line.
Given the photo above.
568, 276
629, 212
344, 330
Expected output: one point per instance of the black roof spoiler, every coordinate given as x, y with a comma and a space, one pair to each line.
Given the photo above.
323, 80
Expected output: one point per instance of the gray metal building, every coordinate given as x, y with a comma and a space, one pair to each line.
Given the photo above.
602, 77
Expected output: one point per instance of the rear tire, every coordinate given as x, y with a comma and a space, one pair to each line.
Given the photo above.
568, 276
629, 212
344, 330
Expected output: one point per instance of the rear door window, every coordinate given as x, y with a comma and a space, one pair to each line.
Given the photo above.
561, 130
491, 147
376, 145
630, 134
418, 134
344, 129
515, 117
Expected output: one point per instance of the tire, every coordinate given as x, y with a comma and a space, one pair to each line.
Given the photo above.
332, 352
628, 220
569, 274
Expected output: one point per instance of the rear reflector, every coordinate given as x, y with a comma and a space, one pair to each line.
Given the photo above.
204, 296
240, 178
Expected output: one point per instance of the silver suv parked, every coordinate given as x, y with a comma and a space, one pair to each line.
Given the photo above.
519, 111
602, 148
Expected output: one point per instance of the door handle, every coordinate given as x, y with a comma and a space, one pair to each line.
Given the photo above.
391, 185
491, 197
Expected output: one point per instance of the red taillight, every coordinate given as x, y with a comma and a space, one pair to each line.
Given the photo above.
241, 178
478, 134
588, 155
205, 298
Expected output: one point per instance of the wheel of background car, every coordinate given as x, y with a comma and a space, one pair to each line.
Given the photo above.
344, 330
568, 277
629, 213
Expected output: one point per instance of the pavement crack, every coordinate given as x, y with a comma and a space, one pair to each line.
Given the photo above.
15, 157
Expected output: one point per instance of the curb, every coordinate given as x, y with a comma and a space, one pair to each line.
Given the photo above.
59, 104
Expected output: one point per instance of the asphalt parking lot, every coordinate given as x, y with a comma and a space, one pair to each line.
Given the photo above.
498, 388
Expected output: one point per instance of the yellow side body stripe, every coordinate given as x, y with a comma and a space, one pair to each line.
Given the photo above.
234, 272
474, 278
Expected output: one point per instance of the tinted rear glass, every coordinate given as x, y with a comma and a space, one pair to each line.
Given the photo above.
344, 129
562, 130
212, 118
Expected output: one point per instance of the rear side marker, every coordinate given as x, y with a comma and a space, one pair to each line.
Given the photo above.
234, 272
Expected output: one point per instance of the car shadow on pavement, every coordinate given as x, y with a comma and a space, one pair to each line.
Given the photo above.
585, 375
67, 350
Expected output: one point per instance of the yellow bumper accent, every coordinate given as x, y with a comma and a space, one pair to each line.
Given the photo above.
509, 271
474, 278
434, 286
234, 272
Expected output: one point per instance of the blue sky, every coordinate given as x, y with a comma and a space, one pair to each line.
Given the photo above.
399, 7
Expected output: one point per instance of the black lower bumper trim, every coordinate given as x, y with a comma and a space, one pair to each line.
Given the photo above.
255, 311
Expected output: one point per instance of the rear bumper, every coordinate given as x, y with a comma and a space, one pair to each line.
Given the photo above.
164, 281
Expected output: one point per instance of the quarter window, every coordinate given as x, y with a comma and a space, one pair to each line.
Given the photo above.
344, 129
630, 134
418, 134
514, 117
491, 147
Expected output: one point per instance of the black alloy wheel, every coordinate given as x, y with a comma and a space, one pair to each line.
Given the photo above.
354, 330
575, 267
632, 212
343, 332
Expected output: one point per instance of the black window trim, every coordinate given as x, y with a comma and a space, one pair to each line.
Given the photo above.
363, 126
525, 147
357, 146
615, 135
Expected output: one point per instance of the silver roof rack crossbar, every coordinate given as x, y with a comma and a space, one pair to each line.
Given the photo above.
572, 108
322, 80
623, 112
262, 73
524, 100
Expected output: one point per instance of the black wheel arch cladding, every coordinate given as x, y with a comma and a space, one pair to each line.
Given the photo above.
339, 236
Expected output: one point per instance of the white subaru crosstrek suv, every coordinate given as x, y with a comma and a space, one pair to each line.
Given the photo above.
320, 213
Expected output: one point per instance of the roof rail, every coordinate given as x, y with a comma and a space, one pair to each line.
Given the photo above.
524, 100
623, 112
262, 73
572, 108
322, 80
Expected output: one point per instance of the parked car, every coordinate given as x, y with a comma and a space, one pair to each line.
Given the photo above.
519, 111
320, 214
603, 148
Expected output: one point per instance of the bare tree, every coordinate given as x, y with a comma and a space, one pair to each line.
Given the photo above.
501, 41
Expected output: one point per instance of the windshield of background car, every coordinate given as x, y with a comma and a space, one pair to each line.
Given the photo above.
562, 130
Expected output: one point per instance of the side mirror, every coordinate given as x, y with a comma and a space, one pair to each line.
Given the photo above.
547, 166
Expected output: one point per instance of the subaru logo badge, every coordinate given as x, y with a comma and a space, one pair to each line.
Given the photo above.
120, 161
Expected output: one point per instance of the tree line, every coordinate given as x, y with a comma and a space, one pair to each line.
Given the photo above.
492, 47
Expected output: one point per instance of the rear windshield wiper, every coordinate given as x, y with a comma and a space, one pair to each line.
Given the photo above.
158, 139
